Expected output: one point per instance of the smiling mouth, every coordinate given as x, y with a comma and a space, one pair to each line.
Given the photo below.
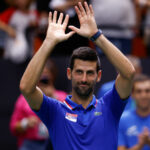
83, 85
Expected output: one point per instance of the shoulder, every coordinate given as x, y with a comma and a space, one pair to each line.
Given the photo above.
49, 106
108, 84
127, 116
111, 93
51, 102
6, 15
106, 87
48, 99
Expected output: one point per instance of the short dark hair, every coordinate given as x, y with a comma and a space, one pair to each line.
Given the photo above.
85, 54
140, 78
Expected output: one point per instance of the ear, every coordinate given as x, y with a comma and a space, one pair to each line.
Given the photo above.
69, 73
99, 75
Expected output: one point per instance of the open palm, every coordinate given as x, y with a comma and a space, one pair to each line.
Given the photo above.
56, 28
87, 21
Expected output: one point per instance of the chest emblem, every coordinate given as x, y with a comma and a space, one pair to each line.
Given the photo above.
132, 131
97, 113
71, 117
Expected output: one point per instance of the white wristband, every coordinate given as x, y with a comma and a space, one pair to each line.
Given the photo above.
24, 123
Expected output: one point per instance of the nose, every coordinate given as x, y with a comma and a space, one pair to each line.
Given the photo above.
84, 77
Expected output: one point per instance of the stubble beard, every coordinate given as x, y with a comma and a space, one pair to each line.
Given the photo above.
84, 93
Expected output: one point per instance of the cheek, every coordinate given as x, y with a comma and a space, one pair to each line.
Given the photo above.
74, 81
76, 78
136, 96
93, 79
149, 95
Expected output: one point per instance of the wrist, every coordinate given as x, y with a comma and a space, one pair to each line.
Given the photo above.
94, 37
49, 43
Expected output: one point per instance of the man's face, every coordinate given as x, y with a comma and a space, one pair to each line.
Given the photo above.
141, 94
84, 77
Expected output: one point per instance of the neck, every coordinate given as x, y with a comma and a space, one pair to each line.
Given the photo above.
143, 112
84, 101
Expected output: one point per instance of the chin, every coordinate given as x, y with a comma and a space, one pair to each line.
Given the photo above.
84, 95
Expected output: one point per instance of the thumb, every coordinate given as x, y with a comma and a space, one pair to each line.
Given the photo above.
146, 131
68, 35
73, 28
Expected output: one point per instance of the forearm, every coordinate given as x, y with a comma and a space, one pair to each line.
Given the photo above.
114, 55
32, 74
3, 26
8, 29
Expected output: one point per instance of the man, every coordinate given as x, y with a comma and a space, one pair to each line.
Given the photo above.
134, 130
81, 122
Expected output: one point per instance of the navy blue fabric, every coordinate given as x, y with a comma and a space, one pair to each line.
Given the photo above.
108, 86
33, 145
71, 127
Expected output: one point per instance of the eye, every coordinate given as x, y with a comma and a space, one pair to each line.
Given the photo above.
138, 91
90, 72
79, 71
147, 90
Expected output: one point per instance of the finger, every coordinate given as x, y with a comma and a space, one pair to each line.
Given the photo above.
50, 17
78, 13
146, 132
74, 29
91, 9
60, 18
65, 23
87, 8
82, 9
55, 17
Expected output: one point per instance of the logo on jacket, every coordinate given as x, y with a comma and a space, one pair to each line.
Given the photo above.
71, 117
97, 113
132, 131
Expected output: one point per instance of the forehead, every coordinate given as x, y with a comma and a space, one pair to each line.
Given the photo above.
85, 65
142, 85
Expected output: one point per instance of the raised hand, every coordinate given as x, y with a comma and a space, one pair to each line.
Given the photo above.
56, 28
144, 137
87, 21
32, 122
